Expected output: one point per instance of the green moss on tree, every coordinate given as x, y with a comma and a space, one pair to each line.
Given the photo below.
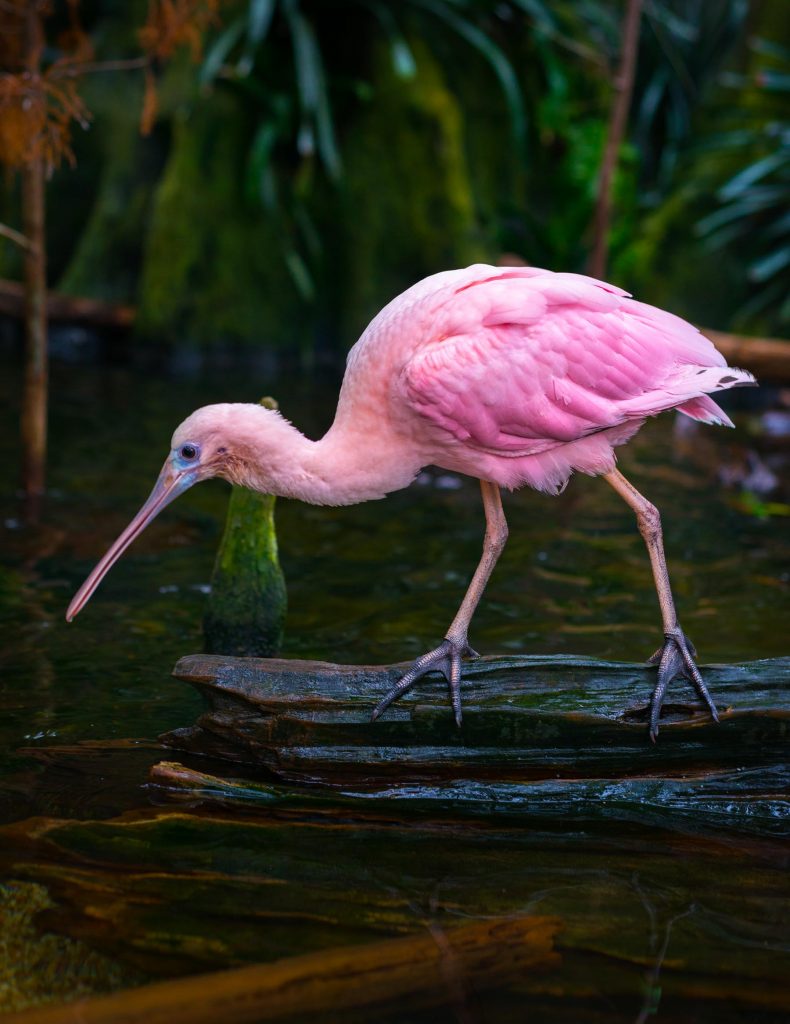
213, 271
406, 197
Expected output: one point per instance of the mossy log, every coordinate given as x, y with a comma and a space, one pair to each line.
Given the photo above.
525, 718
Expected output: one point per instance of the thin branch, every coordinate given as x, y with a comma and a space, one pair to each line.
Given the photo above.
618, 116
16, 236
71, 70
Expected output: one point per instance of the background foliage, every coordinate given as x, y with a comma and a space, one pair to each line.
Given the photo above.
320, 155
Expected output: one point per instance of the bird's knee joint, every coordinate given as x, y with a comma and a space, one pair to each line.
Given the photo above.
497, 538
649, 521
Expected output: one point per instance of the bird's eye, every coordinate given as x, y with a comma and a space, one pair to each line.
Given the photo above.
188, 452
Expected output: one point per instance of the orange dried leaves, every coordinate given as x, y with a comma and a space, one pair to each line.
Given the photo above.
170, 25
37, 105
175, 23
36, 113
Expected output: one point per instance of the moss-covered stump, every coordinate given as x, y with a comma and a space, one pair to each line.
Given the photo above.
246, 609
525, 719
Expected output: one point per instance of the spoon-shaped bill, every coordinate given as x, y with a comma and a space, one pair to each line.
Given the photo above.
170, 484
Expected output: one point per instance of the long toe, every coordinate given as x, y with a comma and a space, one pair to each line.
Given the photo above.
676, 658
446, 658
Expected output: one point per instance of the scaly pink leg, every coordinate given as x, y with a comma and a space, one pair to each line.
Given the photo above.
446, 658
676, 656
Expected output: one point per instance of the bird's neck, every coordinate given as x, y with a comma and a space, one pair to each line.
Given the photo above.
348, 465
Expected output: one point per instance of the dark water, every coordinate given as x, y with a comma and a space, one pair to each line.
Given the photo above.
375, 583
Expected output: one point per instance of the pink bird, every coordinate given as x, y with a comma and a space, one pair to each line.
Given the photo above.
512, 375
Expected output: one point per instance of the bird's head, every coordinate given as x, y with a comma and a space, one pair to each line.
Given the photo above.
217, 440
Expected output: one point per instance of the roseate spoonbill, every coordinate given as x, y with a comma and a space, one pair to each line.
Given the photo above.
513, 375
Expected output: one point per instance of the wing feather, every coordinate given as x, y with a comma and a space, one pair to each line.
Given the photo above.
519, 363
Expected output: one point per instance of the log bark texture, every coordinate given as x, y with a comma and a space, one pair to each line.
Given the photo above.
525, 719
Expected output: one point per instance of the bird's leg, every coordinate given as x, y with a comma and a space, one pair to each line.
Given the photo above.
676, 655
446, 658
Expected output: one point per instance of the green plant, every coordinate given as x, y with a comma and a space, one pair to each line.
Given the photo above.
303, 82
749, 166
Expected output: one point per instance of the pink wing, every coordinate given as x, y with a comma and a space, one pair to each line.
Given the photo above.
519, 362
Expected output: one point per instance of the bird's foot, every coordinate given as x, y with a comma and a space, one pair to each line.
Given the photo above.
676, 658
446, 658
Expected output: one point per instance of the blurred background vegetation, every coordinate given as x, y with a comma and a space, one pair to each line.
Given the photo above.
305, 160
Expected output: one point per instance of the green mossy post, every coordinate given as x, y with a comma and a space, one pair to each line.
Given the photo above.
246, 609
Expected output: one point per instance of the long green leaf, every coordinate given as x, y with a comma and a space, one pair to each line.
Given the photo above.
403, 61
500, 64
259, 178
259, 18
215, 58
751, 174
765, 268
307, 58
300, 273
317, 125
327, 144
540, 12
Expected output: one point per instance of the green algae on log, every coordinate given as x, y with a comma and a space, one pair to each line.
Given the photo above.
524, 718
246, 608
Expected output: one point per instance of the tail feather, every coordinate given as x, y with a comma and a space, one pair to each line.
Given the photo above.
705, 410
687, 390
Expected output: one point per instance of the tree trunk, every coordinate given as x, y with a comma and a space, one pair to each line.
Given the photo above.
34, 397
618, 116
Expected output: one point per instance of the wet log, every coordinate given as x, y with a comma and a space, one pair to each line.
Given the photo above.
67, 307
748, 802
414, 973
525, 719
